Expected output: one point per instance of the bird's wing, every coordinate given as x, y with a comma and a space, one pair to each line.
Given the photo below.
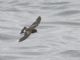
36, 23
26, 35
22, 31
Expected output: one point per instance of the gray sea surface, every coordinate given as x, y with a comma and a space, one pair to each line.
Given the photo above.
58, 36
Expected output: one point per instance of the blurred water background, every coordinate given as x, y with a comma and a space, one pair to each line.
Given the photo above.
58, 36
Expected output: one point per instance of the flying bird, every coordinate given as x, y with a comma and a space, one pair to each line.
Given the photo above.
27, 31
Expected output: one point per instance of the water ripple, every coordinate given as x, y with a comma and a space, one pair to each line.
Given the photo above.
68, 13
6, 37
71, 53
8, 57
32, 53
63, 23
10, 10
33, 47
56, 3
23, 4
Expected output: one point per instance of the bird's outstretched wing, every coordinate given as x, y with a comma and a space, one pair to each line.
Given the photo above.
26, 35
36, 23
22, 31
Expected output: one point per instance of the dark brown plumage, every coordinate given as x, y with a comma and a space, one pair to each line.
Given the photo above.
31, 29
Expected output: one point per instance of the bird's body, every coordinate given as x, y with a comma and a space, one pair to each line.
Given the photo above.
31, 29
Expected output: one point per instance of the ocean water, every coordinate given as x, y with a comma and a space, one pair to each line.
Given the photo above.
58, 36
